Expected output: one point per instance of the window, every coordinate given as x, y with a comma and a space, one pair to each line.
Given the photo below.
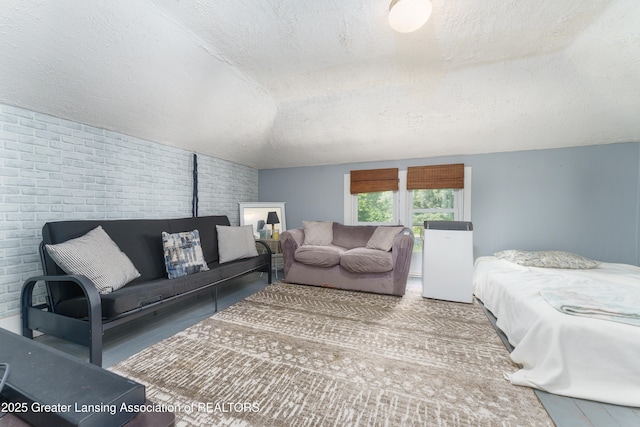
375, 208
444, 204
374, 196
434, 205
435, 194
410, 207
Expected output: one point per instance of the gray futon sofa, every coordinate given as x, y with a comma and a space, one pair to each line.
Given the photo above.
76, 311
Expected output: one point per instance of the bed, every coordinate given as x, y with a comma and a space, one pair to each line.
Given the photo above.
593, 354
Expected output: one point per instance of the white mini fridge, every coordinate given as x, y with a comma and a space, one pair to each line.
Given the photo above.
447, 265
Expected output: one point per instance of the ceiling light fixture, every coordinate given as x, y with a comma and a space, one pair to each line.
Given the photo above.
406, 16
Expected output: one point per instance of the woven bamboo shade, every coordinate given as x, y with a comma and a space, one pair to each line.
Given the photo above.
437, 176
374, 180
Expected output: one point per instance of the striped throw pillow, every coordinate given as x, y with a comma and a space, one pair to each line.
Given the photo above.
97, 257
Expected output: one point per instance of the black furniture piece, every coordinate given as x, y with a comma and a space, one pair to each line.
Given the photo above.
47, 387
75, 311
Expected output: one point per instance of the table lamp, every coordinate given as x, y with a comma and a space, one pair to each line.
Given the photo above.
272, 218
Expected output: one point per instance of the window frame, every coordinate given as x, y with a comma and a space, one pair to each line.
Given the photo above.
402, 204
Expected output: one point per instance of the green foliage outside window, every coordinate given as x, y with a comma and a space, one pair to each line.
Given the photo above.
375, 207
431, 200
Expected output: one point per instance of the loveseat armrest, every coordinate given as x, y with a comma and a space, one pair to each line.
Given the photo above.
401, 250
296, 235
34, 318
402, 242
290, 241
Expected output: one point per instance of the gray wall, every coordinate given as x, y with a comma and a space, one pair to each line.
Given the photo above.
53, 169
584, 199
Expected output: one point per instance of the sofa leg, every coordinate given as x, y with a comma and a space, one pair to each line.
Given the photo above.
95, 347
26, 301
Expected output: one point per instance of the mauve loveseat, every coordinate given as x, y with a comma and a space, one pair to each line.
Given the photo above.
76, 311
346, 258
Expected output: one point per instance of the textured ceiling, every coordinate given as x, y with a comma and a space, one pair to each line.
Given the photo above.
304, 82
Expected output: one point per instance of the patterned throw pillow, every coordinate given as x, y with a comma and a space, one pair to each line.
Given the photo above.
547, 259
183, 253
97, 257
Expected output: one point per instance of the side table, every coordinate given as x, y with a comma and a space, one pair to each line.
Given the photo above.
277, 261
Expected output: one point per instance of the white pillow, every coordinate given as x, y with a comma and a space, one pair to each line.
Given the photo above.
97, 257
318, 233
547, 259
235, 242
382, 237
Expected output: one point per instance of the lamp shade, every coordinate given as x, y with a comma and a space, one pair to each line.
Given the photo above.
272, 218
406, 16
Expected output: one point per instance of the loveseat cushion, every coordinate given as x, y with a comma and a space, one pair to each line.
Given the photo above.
364, 260
321, 256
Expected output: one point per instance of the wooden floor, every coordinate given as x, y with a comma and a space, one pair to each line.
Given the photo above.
129, 339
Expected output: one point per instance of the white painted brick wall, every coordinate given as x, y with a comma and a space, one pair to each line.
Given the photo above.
53, 169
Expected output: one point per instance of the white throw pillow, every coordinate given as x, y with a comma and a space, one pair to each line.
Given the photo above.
547, 259
235, 242
97, 257
318, 233
382, 237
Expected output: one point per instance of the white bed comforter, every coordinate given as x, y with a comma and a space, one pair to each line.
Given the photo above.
576, 356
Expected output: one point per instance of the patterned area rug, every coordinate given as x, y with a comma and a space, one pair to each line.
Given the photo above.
295, 355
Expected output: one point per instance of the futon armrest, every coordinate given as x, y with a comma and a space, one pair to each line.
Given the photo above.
94, 309
266, 246
87, 286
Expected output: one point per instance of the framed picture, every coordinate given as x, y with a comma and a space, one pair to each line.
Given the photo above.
267, 219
